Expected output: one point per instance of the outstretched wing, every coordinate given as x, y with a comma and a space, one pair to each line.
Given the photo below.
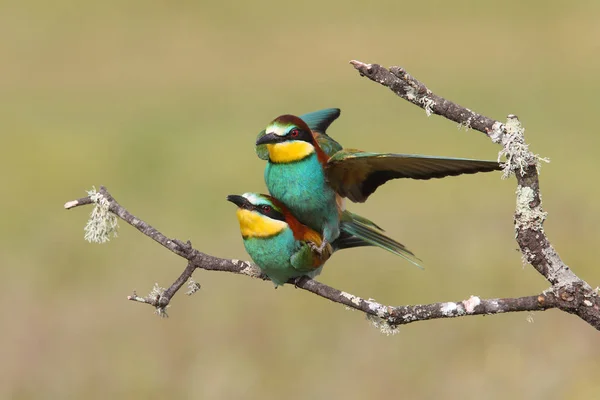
318, 122
356, 174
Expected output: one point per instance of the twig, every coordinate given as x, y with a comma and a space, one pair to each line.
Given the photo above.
400, 82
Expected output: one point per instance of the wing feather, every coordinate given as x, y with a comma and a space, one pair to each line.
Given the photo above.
356, 175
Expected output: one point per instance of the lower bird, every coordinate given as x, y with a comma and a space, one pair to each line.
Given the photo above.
281, 246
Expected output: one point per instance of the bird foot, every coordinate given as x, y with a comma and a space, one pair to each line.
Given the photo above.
313, 247
318, 249
297, 281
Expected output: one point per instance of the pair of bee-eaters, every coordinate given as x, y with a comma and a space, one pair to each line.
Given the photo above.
295, 229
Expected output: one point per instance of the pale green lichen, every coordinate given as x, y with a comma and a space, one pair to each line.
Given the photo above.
497, 132
471, 303
380, 319
409, 317
157, 290
161, 312
156, 293
411, 93
354, 299
465, 124
102, 223
377, 308
413, 96
383, 325
529, 318
249, 268
427, 105
518, 156
528, 217
193, 287
525, 256
449, 309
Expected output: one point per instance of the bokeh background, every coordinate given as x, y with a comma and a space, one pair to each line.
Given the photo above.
161, 102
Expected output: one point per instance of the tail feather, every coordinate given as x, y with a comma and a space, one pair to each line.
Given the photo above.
373, 236
350, 216
348, 241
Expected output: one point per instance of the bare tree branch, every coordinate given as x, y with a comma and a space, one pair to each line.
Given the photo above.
387, 317
578, 296
568, 292
400, 82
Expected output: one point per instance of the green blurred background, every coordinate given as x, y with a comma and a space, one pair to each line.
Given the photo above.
161, 102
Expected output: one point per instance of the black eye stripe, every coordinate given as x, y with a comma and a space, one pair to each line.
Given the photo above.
269, 212
299, 134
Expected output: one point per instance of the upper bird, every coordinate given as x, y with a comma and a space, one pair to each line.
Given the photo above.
310, 172
278, 243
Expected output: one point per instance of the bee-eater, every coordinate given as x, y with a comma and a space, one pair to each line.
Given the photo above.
281, 246
311, 173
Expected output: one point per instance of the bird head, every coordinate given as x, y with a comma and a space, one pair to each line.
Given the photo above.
288, 138
259, 215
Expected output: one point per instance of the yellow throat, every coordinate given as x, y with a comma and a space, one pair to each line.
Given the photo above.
253, 224
289, 151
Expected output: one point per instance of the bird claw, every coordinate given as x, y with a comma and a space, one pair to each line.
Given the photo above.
313, 247
297, 281
318, 249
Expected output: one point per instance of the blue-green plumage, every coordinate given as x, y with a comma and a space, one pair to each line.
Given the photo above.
274, 256
294, 182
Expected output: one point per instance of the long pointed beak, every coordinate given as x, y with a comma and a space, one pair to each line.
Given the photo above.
270, 138
239, 201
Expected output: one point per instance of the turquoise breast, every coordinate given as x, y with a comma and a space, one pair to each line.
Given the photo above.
273, 254
302, 187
